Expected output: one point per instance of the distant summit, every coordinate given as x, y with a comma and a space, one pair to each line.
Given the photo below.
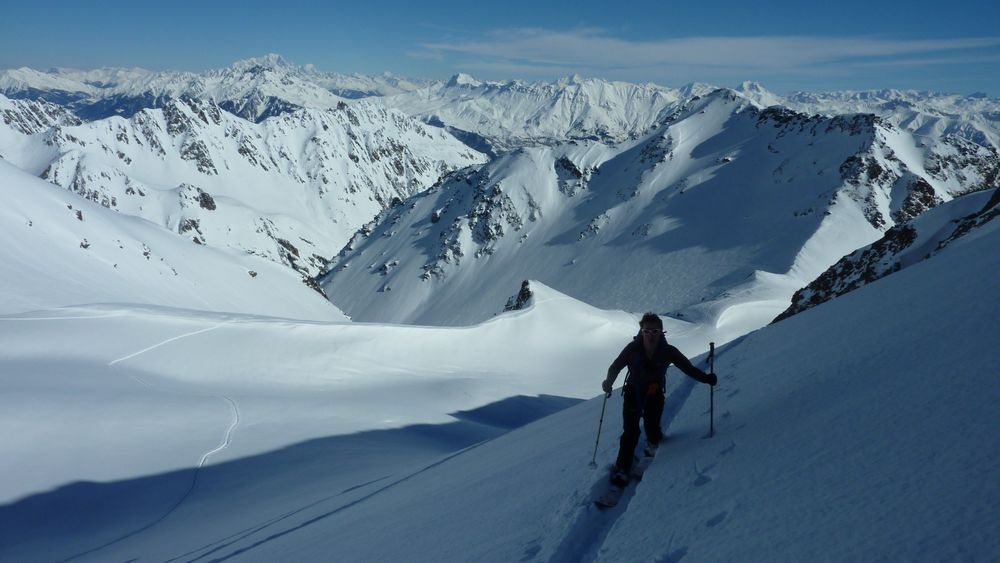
268, 61
462, 79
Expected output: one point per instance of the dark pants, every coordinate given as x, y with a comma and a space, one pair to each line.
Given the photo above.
647, 407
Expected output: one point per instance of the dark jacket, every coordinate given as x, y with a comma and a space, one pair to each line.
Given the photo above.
647, 375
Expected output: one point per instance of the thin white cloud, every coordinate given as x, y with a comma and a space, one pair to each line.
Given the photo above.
590, 48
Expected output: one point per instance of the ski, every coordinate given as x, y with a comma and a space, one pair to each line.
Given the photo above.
611, 496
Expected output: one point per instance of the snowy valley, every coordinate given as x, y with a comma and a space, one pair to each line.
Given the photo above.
271, 313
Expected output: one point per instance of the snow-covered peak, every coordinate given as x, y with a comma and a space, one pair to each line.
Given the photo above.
570, 80
759, 94
696, 89
463, 80
270, 61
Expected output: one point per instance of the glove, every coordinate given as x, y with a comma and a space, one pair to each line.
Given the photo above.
712, 379
606, 386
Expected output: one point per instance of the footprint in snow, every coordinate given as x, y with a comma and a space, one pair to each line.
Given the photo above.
532, 551
717, 519
703, 477
674, 556
729, 450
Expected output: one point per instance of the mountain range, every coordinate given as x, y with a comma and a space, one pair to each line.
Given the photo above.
724, 205
437, 199
290, 188
502, 114
267, 313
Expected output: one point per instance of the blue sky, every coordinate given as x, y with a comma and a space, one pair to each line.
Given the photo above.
785, 45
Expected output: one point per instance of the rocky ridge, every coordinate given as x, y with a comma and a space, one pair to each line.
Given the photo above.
902, 246
291, 189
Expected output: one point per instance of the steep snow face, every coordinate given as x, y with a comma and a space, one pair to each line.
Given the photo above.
292, 189
513, 114
902, 246
718, 217
63, 250
29, 117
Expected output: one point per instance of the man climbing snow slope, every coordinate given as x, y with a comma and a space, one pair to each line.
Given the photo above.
647, 358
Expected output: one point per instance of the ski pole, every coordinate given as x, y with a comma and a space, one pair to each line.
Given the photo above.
593, 462
711, 393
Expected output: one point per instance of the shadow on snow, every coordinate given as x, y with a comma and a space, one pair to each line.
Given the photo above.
81, 519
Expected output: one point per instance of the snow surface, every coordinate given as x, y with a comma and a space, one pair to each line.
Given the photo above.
63, 250
165, 400
862, 429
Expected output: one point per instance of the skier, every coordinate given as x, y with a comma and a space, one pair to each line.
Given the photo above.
647, 358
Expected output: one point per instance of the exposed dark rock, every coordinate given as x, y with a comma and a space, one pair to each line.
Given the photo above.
920, 198
205, 201
314, 285
854, 270
521, 300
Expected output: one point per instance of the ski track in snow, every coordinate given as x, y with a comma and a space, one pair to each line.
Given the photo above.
165, 342
295, 526
229, 432
226, 440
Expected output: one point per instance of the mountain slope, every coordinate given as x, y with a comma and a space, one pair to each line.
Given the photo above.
63, 250
718, 216
291, 189
902, 246
808, 452
512, 114
842, 433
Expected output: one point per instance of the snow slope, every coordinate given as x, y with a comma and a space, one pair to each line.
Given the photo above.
63, 250
862, 429
902, 246
183, 394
